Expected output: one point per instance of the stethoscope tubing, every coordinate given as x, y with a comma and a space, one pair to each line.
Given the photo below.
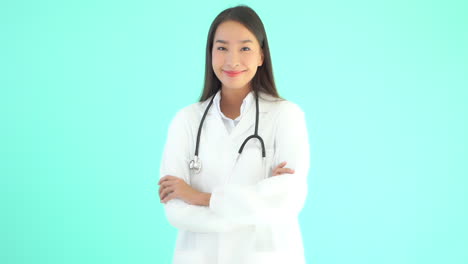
196, 163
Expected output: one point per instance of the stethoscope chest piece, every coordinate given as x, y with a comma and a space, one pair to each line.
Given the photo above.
195, 164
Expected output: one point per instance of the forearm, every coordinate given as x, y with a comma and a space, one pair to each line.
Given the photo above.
195, 218
203, 199
271, 199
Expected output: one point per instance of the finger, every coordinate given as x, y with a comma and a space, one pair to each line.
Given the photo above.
168, 183
286, 170
283, 170
166, 178
161, 190
164, 185
168, 198
162, 179
165, 192
282, 164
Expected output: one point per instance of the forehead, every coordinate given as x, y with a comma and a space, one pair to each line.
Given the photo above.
233, 32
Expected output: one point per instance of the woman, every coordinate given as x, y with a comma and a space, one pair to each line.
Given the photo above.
235, 200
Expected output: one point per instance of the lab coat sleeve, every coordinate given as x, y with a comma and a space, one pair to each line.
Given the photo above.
276, 197
176, 156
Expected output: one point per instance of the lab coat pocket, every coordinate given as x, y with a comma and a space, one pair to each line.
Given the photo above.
189, 256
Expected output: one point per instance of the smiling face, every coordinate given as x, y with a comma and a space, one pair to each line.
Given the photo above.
236, 55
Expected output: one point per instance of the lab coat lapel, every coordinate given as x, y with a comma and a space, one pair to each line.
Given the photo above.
246, 122
246, 125
245, 128
213, 115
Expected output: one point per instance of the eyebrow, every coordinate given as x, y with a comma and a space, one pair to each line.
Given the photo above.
226, 42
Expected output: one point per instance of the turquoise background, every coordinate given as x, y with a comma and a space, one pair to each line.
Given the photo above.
88, 89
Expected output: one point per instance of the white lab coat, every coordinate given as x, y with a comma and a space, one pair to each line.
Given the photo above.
253, 216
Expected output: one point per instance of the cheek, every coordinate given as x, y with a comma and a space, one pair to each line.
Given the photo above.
252, 60
216, 59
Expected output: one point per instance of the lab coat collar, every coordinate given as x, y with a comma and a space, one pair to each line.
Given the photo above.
248, 117
246, 102
264, 102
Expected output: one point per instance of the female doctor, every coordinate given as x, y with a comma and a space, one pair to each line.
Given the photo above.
224, 181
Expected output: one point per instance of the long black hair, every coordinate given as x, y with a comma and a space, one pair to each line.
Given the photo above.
263, 79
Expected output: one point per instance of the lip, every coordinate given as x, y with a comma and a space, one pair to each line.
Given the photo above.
233, 73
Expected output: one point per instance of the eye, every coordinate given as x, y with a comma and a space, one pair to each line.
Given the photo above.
220, 48
246, 48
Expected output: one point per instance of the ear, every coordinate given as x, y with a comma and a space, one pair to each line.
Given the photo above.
260, 63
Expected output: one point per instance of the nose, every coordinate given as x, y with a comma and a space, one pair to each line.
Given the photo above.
232, 59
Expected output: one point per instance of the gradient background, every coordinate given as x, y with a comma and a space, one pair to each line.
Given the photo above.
88, 89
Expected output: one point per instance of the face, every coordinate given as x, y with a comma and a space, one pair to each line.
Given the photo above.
236, 55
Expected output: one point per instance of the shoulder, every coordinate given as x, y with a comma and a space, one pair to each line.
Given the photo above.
290, 115
186, 111
189, 115
185, 115
289, 107
280, 107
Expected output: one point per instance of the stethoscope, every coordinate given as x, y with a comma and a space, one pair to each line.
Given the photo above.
195, 163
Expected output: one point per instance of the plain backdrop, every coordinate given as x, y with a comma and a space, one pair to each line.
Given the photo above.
88, 89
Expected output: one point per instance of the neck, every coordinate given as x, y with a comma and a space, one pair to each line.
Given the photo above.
231, 101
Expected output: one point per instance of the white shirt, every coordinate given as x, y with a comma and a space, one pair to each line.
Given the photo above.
252, 216
228, 122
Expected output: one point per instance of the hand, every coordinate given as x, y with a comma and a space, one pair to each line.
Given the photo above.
171, 187
280, 170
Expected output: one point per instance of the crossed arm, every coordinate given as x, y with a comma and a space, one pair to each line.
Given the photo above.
230, 206
172, 187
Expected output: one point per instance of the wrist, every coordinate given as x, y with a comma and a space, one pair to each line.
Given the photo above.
203, 199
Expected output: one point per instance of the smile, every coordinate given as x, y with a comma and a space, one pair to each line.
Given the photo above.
233, 73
